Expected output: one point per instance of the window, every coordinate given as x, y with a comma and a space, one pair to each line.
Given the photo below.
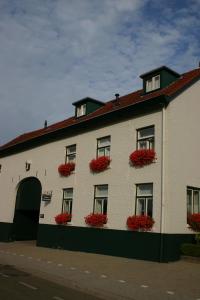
145, 138
144, 199
153, 83
193, 200
67, 200
81, 110
103, 146
71, 154
100, 199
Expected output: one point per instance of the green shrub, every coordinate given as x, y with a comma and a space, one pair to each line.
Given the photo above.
191, 249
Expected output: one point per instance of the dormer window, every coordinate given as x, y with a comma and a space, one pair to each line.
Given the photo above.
81, 110
153, 83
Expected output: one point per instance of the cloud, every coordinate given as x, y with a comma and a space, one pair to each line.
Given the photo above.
56, 52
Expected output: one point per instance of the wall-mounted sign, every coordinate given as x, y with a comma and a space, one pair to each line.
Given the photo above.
46, 196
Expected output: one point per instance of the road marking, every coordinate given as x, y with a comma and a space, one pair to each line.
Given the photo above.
59, 265
58, 298
103, 276
87, 272
122, 281
72, 268
144, 286
49, 262
170, 292
21, 254
28, 285
30, 257
4, 275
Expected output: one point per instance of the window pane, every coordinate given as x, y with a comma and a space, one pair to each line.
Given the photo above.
145, 189
68, 193
71, 149
101, 152
143, 145
71, 158
107, 151
105, 141
105, 206
189, 201
149, 85
140, 206
101, 191
157, 82
67, 205
146, 132
98, 206
196, 202
150, 207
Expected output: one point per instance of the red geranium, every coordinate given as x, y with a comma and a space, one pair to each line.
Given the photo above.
142, 157
63, 218
66, 169
144, 223
100, 164
194, 221
96, 219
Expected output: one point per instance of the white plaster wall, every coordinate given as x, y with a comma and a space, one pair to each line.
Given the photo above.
182, 161
121, 178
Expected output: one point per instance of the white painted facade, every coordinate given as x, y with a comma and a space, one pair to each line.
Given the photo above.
177, 147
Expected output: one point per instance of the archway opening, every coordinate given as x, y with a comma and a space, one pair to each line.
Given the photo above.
27, 209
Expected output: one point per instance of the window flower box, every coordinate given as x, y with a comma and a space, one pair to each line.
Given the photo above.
96, 220
142, 157
100, 164
66, 169
140, 223
63, 218
194, 222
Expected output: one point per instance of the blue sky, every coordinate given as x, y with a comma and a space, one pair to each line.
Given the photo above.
54, 52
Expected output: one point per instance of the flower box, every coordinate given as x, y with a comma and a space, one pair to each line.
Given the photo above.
96, 220
63, 218
194, 222
140, 223
66, 169
100, 164
142, 157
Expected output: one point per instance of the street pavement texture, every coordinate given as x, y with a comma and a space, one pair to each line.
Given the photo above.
106, 277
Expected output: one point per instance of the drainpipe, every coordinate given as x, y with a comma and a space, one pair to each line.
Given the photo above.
162, 204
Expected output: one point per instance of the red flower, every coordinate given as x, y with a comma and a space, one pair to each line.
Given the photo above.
142, 157
140, 222
194, 221
63, 218
100, 164
96, 219
66, 169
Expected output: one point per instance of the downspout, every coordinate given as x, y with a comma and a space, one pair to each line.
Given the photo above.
162, 204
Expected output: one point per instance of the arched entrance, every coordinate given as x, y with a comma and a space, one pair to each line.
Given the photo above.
27, 208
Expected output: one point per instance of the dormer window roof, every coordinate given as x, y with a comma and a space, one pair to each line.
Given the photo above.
86, 106
158, 78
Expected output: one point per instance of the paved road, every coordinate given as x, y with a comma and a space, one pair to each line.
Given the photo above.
112, 278
19, 285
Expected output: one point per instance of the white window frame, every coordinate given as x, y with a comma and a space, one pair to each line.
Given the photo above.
68, 200
151, 83
146, 198
103, 200
70, 155
81, 110
148, 140
103, 149
192, 206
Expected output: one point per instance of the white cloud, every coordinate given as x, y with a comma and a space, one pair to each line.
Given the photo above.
56, 52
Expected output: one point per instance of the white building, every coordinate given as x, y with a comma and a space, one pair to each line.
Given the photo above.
164, 115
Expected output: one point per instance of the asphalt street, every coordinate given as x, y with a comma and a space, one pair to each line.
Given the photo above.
19, 285
106, 277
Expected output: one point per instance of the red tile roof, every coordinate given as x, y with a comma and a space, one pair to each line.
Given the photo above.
124, 101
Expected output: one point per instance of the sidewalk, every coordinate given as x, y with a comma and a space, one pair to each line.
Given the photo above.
106, 276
